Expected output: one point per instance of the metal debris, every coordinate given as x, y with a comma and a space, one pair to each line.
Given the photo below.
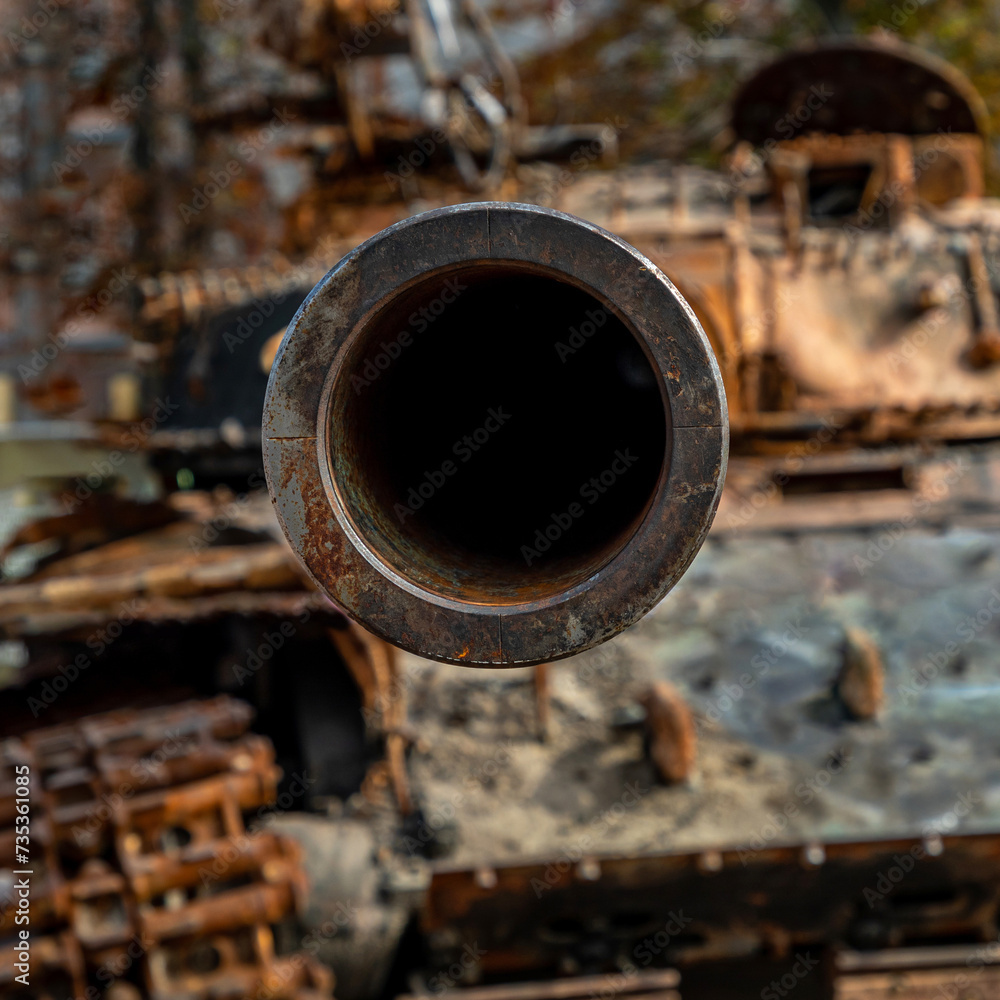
861, 682
670, 732
145, 872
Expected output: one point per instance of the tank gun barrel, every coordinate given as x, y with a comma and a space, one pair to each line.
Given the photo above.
495, 434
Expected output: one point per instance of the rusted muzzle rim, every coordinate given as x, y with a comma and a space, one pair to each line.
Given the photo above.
495, 434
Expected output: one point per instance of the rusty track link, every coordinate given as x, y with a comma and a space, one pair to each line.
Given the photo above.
147, 880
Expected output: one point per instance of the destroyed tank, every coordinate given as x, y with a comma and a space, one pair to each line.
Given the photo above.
238, 792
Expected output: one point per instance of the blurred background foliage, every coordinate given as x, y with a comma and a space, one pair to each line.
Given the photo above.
670, 68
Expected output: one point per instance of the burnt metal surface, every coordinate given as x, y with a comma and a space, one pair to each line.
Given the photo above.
907, 92
840, 331
144, 872
216, 555
732, 921
660, 984
401, 582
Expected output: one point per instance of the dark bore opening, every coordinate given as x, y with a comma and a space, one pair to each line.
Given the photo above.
497, 435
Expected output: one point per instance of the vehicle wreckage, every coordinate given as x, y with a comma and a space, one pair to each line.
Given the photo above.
576, 830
